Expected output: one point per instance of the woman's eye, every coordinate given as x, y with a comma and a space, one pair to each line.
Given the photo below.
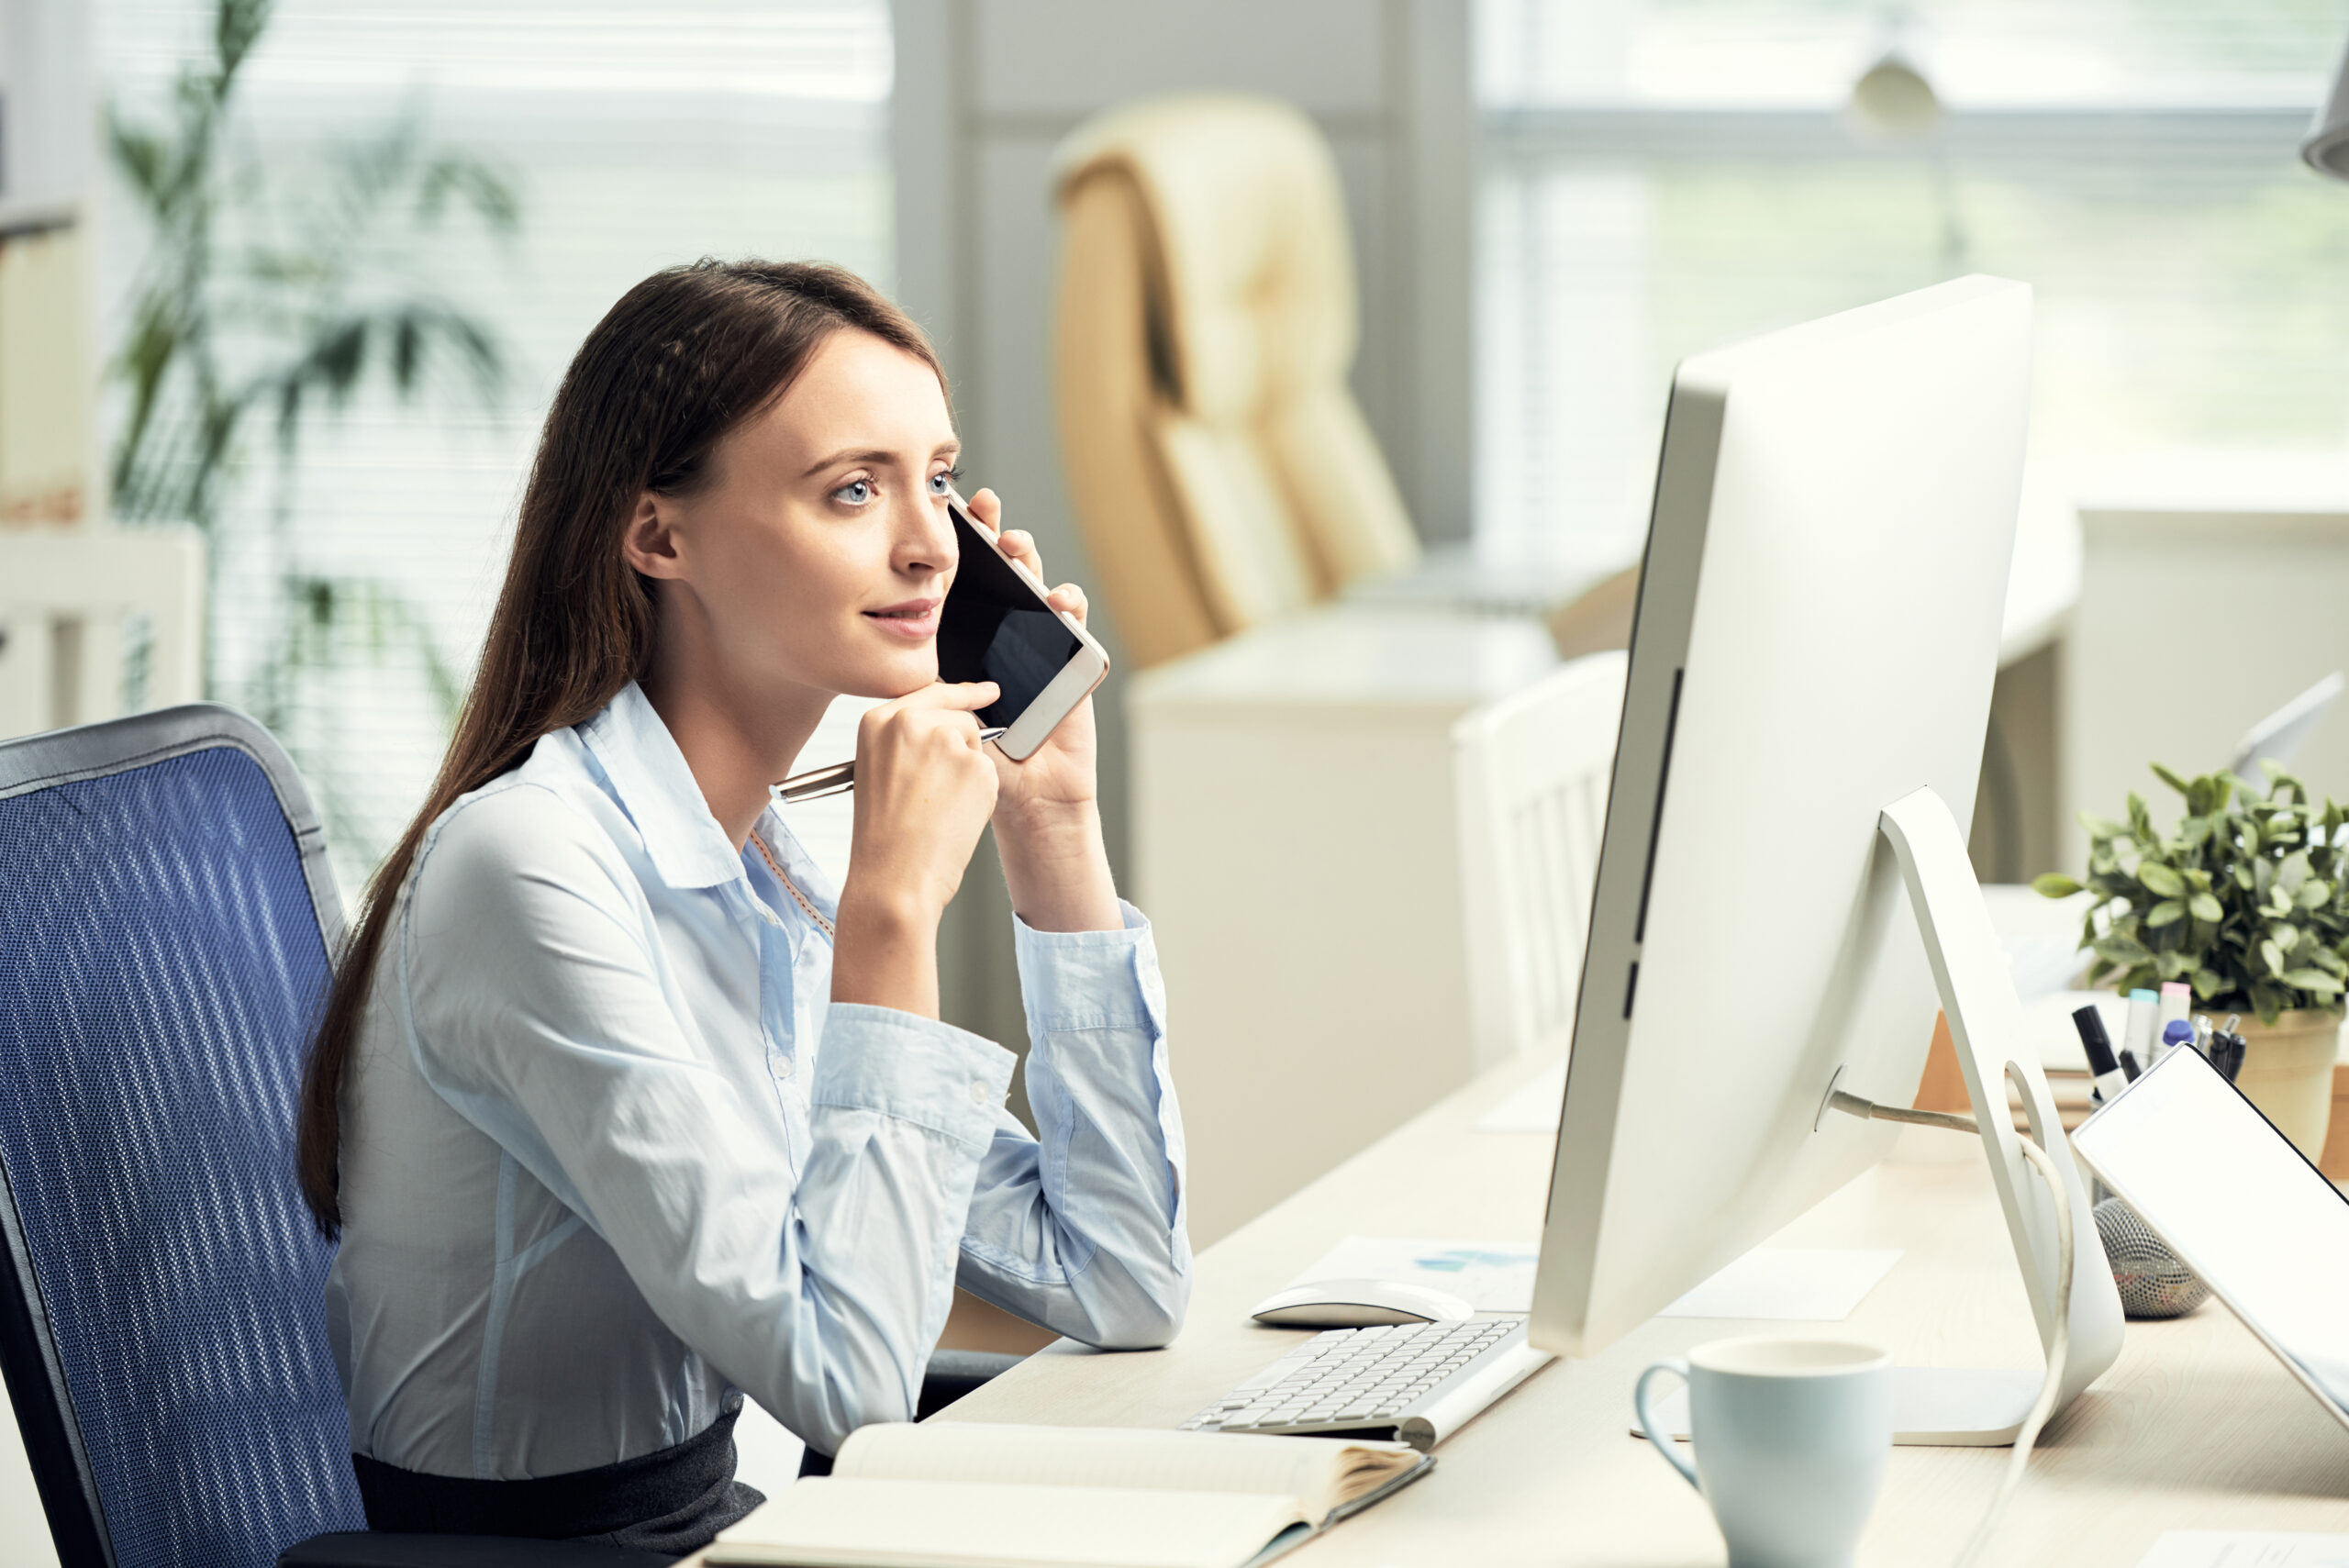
943, 483
855, 492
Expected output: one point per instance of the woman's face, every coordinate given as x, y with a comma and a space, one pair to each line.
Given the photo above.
819, 552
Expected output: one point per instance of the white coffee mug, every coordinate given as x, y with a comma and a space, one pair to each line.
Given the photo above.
1791, 1436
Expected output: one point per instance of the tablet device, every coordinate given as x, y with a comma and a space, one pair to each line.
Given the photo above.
997, 626
2240, 1205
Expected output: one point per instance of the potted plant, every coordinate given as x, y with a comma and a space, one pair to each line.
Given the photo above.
2244, 901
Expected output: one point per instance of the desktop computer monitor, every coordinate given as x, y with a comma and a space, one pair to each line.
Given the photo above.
1816, 639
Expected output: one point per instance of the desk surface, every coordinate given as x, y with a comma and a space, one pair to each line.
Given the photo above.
2196, 1426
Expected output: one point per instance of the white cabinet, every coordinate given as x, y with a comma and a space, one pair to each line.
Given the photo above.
1294, 847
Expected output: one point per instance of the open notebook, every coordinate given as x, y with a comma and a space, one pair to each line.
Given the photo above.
964, 1494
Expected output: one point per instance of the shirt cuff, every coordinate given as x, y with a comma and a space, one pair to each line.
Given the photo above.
914, 1069
1090, 980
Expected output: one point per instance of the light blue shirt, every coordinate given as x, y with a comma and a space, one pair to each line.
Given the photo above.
611, 1158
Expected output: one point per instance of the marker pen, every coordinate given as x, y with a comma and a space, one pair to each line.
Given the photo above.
2144, 1026
2102, 1064
2176, 1035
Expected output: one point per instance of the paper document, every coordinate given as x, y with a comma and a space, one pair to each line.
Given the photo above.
1533, 1109
2245, 1549
1814, 1285
1492, 1276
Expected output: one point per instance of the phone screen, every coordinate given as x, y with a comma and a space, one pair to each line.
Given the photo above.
995, 627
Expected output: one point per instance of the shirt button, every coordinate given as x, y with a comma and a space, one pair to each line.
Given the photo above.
980, 1094
782, 1065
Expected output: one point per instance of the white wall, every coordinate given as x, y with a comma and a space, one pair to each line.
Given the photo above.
45, 99
986, 89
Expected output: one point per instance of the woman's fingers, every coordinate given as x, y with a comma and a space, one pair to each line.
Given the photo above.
987, 507
968, 695
1070, 600
1020, 545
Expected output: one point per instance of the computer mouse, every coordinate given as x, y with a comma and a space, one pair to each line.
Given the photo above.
1359, 1304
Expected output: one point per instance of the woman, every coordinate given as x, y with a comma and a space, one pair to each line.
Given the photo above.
620, 1112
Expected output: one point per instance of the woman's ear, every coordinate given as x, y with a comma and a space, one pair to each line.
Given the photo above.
648, 543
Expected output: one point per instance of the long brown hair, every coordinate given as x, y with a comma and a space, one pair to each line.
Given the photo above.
685, 357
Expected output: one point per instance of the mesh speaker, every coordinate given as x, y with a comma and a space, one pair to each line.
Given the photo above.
2152, 1280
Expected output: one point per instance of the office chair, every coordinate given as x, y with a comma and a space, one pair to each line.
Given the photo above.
1532, 771
166, 915
1222, 472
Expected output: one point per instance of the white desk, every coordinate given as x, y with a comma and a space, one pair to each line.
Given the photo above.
2195, 1428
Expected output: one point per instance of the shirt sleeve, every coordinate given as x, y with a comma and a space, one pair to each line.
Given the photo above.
1081, 1226
536, 1012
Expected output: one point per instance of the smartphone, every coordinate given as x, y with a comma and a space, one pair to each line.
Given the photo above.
995, 626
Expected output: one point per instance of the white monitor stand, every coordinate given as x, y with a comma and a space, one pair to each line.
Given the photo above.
1986, 1406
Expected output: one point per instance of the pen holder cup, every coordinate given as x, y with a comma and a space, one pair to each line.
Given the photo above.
2152, 1280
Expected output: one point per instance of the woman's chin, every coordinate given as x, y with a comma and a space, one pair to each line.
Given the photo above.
898, 677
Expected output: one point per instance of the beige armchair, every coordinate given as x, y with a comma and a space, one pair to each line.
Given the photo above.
1222, 473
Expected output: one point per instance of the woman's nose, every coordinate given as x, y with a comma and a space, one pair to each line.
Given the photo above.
925, 537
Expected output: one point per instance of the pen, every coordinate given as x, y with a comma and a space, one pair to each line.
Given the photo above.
2232, 1050
821, 782
2176, 1035
2129, 1068
2202, 1033
2102, 1065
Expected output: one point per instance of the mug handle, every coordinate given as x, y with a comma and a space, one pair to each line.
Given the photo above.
1653, 1428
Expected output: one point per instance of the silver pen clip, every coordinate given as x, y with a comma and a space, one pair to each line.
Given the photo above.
837, 779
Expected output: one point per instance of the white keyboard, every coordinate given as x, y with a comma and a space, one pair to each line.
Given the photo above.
1418, 1382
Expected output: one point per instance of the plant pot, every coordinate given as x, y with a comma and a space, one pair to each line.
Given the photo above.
2288, 1073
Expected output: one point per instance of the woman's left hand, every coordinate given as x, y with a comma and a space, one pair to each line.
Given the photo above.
1047, 820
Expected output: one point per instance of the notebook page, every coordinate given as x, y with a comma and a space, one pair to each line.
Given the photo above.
1101, 1456
837, 1523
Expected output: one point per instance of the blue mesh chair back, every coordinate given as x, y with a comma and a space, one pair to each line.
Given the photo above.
165, 917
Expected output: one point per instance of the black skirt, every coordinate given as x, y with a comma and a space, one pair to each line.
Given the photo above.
675, 1500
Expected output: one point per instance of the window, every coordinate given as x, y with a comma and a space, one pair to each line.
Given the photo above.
1666, 176
635, 136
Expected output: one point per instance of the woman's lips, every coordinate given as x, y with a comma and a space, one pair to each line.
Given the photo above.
915, 620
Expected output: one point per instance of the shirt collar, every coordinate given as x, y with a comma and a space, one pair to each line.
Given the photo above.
657, 789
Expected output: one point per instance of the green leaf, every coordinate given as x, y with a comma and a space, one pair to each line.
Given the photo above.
2172, 780
2160, 879
2274, 954
2315, 894
2171, 964
2122, 951
2168, 912
2054, 884
2207, 984
2313, 979
2207, 908
2193, 832
2101, 828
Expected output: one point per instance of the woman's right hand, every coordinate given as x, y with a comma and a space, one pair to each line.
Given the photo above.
924, 788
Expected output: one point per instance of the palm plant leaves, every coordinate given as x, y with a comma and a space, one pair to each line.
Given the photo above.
251, 314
